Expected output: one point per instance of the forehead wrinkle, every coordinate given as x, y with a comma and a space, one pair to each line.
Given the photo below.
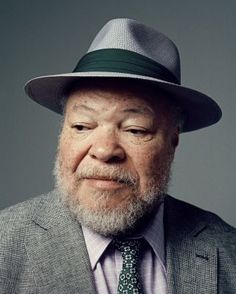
109, 96
144, 111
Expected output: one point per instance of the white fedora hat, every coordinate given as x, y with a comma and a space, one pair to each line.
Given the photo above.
125, 48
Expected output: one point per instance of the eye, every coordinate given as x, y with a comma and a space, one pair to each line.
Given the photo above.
81, 127
137, 132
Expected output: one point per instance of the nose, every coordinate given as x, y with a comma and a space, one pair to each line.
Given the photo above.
106, 148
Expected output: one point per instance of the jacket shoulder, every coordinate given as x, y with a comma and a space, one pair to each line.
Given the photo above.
188, 215
20, 214
16, 228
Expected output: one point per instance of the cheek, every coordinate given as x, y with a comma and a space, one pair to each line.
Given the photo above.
146, 165
69, 153
151, 162
143, 162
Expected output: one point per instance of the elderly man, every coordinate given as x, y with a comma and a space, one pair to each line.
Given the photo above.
109, 226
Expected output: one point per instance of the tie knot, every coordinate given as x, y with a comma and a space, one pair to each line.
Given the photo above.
128, 248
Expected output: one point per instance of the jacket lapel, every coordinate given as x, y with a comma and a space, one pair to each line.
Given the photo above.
191, 261
57, 250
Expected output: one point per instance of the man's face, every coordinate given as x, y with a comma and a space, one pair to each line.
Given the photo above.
114, 157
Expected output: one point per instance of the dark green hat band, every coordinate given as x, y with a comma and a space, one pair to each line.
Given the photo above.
124, 61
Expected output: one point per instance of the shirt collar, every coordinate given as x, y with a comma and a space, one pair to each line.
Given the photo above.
154, 234
96, 244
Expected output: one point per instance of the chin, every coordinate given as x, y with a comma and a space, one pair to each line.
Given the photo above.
112, 219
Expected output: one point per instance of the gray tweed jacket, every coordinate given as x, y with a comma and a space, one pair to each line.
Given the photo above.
42, 250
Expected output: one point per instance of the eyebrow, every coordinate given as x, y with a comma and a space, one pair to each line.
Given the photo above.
143, 111
82, 106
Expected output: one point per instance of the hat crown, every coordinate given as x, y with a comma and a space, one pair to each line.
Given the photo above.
128, 34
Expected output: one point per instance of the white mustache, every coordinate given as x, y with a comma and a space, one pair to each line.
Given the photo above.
111, 173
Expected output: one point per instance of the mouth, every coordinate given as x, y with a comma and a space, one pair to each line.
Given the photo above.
104, 183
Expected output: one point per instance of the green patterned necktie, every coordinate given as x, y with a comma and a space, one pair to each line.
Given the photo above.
129, 281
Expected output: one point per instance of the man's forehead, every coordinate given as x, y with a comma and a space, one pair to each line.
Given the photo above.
129, 108
128, 93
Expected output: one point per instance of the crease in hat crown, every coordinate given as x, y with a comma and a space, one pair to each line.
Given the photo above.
128, 34
125, 48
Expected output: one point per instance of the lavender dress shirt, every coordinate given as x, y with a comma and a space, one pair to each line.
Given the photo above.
106, 262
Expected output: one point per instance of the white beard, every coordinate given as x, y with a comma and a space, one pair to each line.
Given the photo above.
120, 220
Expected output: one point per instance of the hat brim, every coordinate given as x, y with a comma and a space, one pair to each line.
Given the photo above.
199, 109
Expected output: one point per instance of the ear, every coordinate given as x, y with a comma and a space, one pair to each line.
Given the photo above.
175, 137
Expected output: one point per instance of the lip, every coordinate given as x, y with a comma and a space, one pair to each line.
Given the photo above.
103, 183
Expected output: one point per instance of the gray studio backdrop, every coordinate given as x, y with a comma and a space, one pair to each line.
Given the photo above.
46, 37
